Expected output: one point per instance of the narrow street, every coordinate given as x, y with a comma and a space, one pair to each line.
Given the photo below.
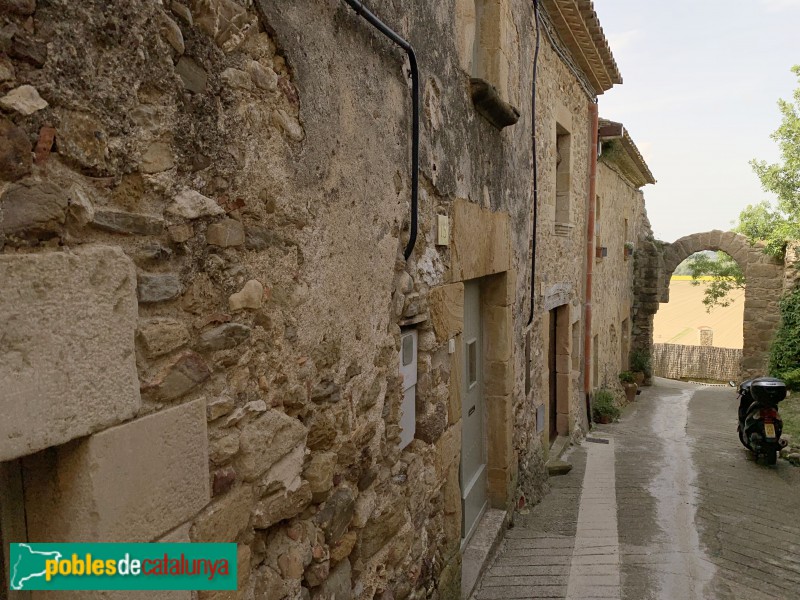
665, 504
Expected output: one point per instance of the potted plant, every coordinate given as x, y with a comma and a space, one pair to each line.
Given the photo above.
604, 407
628, 250
641, 365
628, 382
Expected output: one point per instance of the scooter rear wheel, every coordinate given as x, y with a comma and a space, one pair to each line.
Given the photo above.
771, 457
742, 439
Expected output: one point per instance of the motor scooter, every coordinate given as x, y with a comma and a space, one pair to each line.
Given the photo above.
760, 425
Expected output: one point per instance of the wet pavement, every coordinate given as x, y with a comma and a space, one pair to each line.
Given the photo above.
666, 505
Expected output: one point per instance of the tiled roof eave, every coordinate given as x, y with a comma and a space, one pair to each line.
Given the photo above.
579, 28
631, 163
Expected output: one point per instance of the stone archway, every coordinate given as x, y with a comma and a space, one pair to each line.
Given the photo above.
764, 284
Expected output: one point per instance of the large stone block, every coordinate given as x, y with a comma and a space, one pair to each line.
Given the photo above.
456, 382
499, 378
481, 241
447, 310
713, 239
500, 430
225, 518
501, 487
131, 483
497, 333
67, 357
500, 290
730, 241
448, 450
30, 209
268, 439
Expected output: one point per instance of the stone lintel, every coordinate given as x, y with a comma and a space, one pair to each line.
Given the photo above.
480, 241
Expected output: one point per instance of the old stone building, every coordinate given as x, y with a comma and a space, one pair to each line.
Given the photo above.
621, 225
209, 327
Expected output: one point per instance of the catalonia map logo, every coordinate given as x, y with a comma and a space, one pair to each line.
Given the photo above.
122, 566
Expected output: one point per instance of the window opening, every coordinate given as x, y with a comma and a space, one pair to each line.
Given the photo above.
563, 179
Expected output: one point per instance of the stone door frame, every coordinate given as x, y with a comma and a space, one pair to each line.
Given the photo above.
481, 249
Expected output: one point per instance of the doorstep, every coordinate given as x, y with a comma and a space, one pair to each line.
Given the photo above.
481, 548
554, 464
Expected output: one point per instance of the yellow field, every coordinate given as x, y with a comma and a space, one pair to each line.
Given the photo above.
679, 321
689, 278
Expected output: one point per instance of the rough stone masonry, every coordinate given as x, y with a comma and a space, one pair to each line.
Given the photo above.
202, 211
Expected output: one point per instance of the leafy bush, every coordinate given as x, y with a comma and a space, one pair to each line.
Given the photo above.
784, 358
626, 377
641, 362
791, 379
604, 405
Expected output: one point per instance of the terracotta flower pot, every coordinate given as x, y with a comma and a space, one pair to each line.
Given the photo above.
639, 377
603, 419
630, 391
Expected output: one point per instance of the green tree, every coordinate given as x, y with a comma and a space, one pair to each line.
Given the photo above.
726, 276
784, 359
776, 223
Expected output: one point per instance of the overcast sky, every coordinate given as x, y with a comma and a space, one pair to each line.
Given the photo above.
702, 80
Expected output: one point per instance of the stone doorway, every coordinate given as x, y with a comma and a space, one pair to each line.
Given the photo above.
559, 372
552, 406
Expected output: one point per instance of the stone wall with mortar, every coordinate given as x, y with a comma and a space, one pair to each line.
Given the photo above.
249, 162
560, 247
791, 274
621, 220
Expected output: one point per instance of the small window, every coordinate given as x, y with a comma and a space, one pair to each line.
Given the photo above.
408, 350
563, 180
472, 363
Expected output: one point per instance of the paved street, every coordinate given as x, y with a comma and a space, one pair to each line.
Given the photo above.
667, 505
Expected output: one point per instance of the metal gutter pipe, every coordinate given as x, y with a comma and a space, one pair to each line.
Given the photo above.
366, 14
590, 242
535, 165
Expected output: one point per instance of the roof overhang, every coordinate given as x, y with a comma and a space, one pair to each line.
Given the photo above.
578, 26
619, 149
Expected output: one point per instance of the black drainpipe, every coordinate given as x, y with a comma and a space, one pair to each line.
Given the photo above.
535, 169
358, 6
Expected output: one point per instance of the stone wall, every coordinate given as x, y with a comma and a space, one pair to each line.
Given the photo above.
676, 361
791, 273
560, 247
622, 218
206, 203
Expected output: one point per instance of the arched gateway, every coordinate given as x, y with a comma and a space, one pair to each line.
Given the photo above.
763, 285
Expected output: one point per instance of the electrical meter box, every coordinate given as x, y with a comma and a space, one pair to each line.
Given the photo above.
408, 371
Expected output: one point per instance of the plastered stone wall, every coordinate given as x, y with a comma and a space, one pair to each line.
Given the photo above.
560, 254
621, 218
251, 159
